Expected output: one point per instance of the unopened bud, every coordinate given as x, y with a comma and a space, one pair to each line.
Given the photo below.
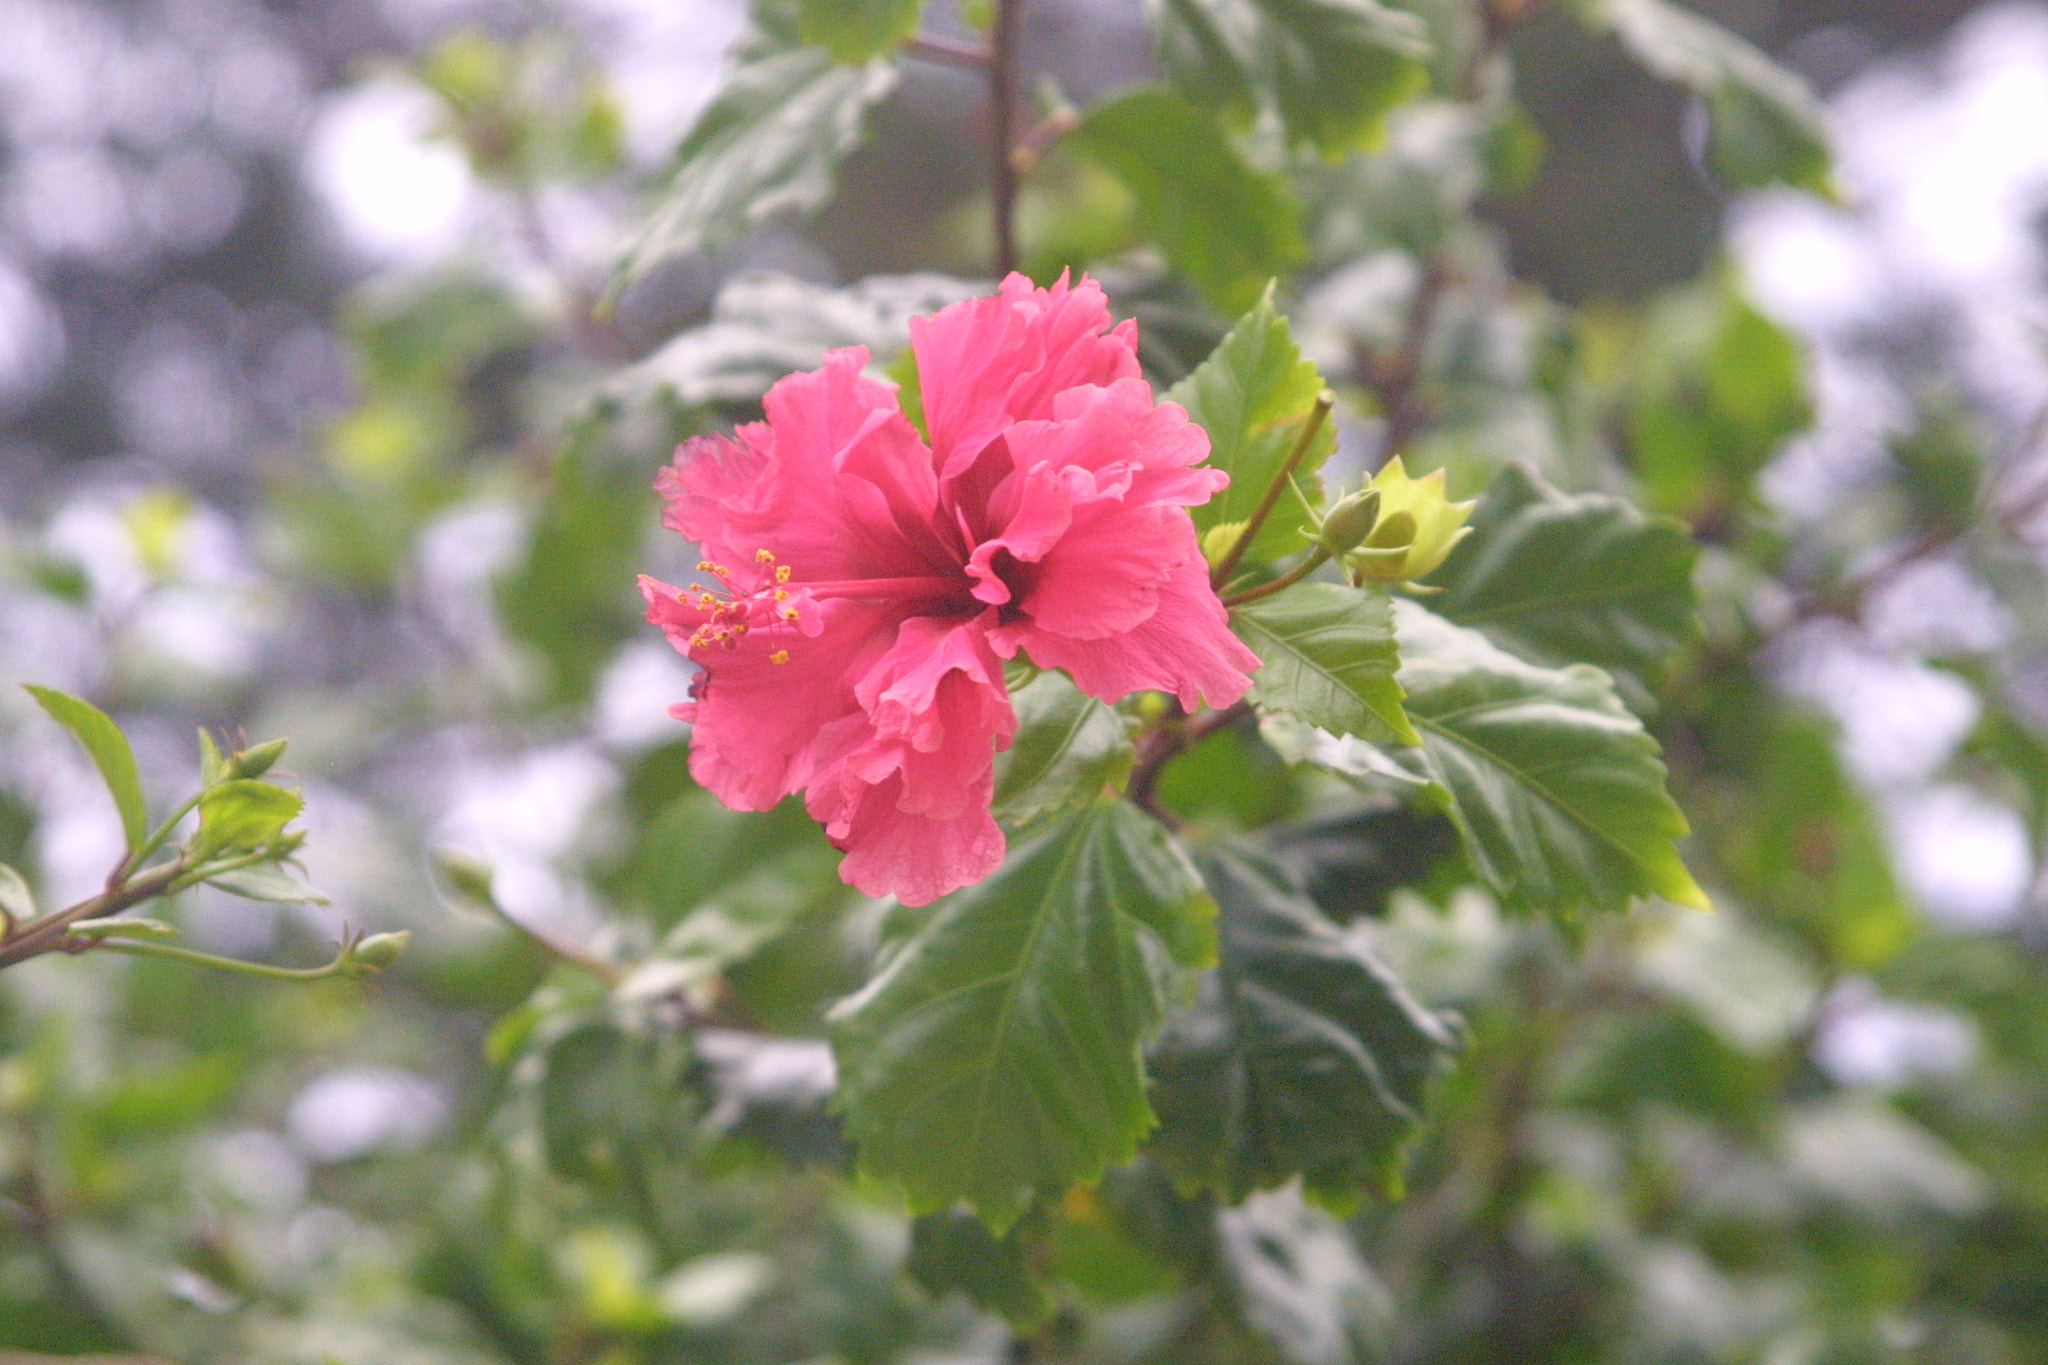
469, 877
257, 761
379, 951
1417, 527
1350, 521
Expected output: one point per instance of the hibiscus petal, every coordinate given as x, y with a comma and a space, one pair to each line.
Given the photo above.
1185, 647
915, 858
985, 363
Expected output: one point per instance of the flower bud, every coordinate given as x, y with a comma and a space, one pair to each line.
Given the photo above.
377, 952
1218, 540
1350, 521
257, 761
1417, 527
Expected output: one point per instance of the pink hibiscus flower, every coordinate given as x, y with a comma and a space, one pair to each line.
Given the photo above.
868, 586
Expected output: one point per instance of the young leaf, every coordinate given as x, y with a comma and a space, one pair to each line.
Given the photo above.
244, 814
1328, 656
1068, 746
1767, 125
17, 902
855, 30
996, 1052
1302, 1056
768, 144
1252, 395
109, 749
122, 926
1559, 579
1222, 224
1556, 789
213, 764
267, 882
1332, 68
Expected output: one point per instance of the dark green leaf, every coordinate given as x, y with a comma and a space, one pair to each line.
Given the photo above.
1303, 1055
855, 30
1767, 125
1329, 657
996, 1053
609, 1099
109, 749
1332, 68
955, 1250
1556, 789
1560, 579
244, 814
1224, 225
768, 144
267, 882
1068, 747
1252, 396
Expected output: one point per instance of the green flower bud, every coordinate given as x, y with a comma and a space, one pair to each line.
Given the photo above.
1350, 521
1418, 526
376, 952
257, 761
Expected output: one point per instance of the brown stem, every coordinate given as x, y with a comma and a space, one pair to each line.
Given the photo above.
1172, 735
940, 50
46, 932
1002, 104
1393, 379
1281, 480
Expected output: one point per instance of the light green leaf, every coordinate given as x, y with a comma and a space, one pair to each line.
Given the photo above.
1252, 395
1328, 657
1068, 747
17, 901
1559, 579
213, 764
109, 749
855, 30
1555, 787
1225, 226
1332, 68
1303, 1055
1767, 125
122, 927
996, 1053
244, 814
267, 882
768, 144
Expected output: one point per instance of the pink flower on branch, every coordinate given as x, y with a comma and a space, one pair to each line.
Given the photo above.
867, 587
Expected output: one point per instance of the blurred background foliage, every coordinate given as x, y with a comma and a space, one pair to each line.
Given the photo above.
317, 418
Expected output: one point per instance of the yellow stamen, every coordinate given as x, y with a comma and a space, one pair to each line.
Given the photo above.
781, 572
780, 656
764, 557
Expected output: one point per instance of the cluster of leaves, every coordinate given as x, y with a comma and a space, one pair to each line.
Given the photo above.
1368, 1021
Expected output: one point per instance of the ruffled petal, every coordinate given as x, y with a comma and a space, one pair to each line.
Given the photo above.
985, 363
915, 858
1185, 647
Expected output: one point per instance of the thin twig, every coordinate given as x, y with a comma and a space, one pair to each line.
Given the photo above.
1170, 736
1002, 101
1324, 401
941, 50
1315, 561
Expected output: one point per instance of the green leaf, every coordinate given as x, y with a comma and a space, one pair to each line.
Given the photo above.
855, 30
213, 764
1225, 226
109, 749
953, 1250
1767, 124
1332, 68
267, 882
1555, 787
122, 927
1252, 395
1559, 579
1068, 747
1328, 657
17, 901
609, 1100
996, 1053
244, 814
768, 144
1303, 1055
